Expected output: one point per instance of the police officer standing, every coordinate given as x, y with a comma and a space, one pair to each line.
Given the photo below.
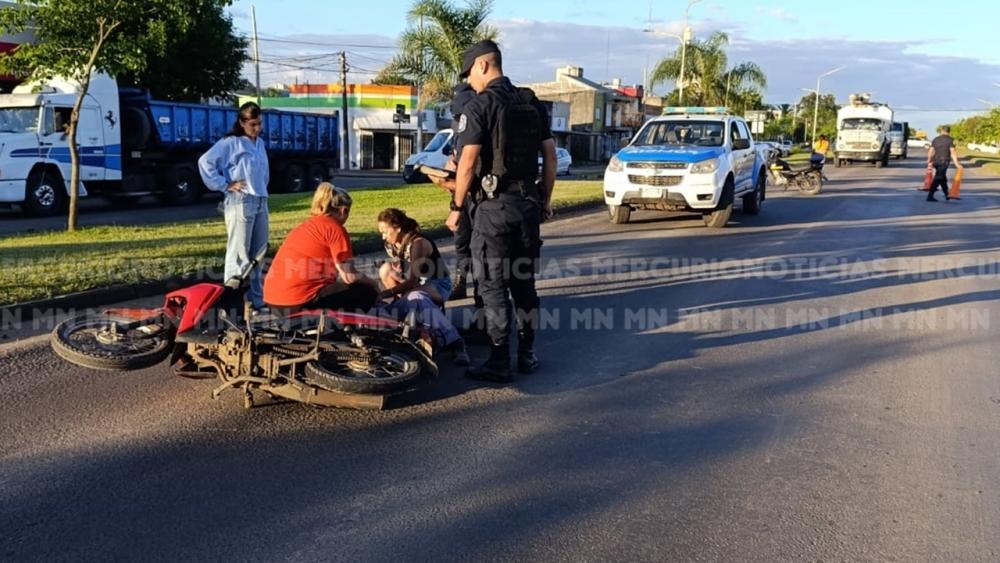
462, 95
502, 131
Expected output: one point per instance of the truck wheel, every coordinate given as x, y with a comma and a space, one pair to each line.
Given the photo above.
181, 185
720, 216
136, 129
45, 193
317, 175
295, 179
753, 201
838, 162
619, 214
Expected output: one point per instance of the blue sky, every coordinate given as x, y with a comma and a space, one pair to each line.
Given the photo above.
912, 54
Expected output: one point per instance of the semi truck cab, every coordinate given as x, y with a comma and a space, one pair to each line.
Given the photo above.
34, 148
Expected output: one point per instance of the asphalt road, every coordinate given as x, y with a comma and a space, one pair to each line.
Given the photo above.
814, 383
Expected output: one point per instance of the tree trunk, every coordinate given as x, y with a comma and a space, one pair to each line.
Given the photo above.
74, 153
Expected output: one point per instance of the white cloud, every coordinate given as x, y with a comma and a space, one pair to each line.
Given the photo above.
533, 50
777, 13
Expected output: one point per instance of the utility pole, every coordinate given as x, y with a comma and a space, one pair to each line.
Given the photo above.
346, 138
256, 48
420, 99
816, 109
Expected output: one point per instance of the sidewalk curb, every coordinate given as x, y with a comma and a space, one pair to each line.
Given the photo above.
98, 297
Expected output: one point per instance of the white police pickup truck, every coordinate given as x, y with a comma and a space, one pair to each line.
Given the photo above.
690, 159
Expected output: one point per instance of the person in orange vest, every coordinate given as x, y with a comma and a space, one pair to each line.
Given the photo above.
941, 154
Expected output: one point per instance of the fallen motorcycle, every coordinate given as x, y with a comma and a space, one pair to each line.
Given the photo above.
807, 177
318, 357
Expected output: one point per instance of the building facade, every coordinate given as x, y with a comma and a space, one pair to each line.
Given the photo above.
376, 140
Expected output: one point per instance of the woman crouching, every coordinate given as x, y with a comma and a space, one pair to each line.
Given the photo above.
417, 279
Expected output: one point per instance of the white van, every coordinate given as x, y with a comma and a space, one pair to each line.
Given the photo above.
436, 154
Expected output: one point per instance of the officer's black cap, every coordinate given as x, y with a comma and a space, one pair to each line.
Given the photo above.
475, 51
462, 95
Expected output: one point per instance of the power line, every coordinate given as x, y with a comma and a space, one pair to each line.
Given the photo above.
318, 44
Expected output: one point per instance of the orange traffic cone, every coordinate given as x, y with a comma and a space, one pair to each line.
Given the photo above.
928, 178
956, 186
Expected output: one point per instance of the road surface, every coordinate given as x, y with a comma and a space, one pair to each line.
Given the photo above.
815, 383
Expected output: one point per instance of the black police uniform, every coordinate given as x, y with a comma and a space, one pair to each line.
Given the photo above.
462, 95
509, 124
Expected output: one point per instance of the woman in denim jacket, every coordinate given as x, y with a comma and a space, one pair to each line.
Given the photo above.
237, 165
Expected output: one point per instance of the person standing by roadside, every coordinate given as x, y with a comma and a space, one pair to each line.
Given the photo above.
463, 236
503, 131
941, 154
237, 165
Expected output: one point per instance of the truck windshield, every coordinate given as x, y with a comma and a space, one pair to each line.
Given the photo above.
699, 133
19, 120
862, 124
437, 142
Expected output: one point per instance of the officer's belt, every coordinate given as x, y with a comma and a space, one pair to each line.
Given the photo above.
519, 188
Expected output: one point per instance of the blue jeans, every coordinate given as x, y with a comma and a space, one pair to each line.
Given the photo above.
246, 229
428, 314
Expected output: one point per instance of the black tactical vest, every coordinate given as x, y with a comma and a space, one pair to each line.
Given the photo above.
516, 140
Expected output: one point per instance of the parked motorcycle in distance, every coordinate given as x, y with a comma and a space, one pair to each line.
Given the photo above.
806, 177
318, 357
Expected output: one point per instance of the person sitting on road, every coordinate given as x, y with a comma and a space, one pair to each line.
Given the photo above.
417, 278
314, 268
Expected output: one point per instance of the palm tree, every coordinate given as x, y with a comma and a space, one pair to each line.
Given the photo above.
709, 80
431, 49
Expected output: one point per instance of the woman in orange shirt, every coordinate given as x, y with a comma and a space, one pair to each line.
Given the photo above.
314, 268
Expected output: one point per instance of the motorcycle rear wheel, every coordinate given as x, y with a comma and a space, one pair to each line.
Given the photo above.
380, 369
813, 184
89, 341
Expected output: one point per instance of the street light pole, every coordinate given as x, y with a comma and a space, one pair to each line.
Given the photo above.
685, 37
816, 109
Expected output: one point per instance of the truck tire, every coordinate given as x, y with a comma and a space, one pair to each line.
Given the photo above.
136, 129
838, 162
619, 214
753, 201
317, 175
720, 216
45, 193
180, 185
294, 179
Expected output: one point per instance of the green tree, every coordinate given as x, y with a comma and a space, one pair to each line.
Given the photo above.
708, 78
209, 39
431, 48
827, 123
76, 38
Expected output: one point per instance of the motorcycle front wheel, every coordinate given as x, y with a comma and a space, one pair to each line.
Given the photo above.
377, 369
99, 342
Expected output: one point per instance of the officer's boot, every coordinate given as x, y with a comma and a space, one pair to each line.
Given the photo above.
496, 369
458, 287
527, 361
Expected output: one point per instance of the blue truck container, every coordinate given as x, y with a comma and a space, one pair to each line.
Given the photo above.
162, 140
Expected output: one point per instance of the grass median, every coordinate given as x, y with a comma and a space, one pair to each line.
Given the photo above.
36, 266
989, 163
